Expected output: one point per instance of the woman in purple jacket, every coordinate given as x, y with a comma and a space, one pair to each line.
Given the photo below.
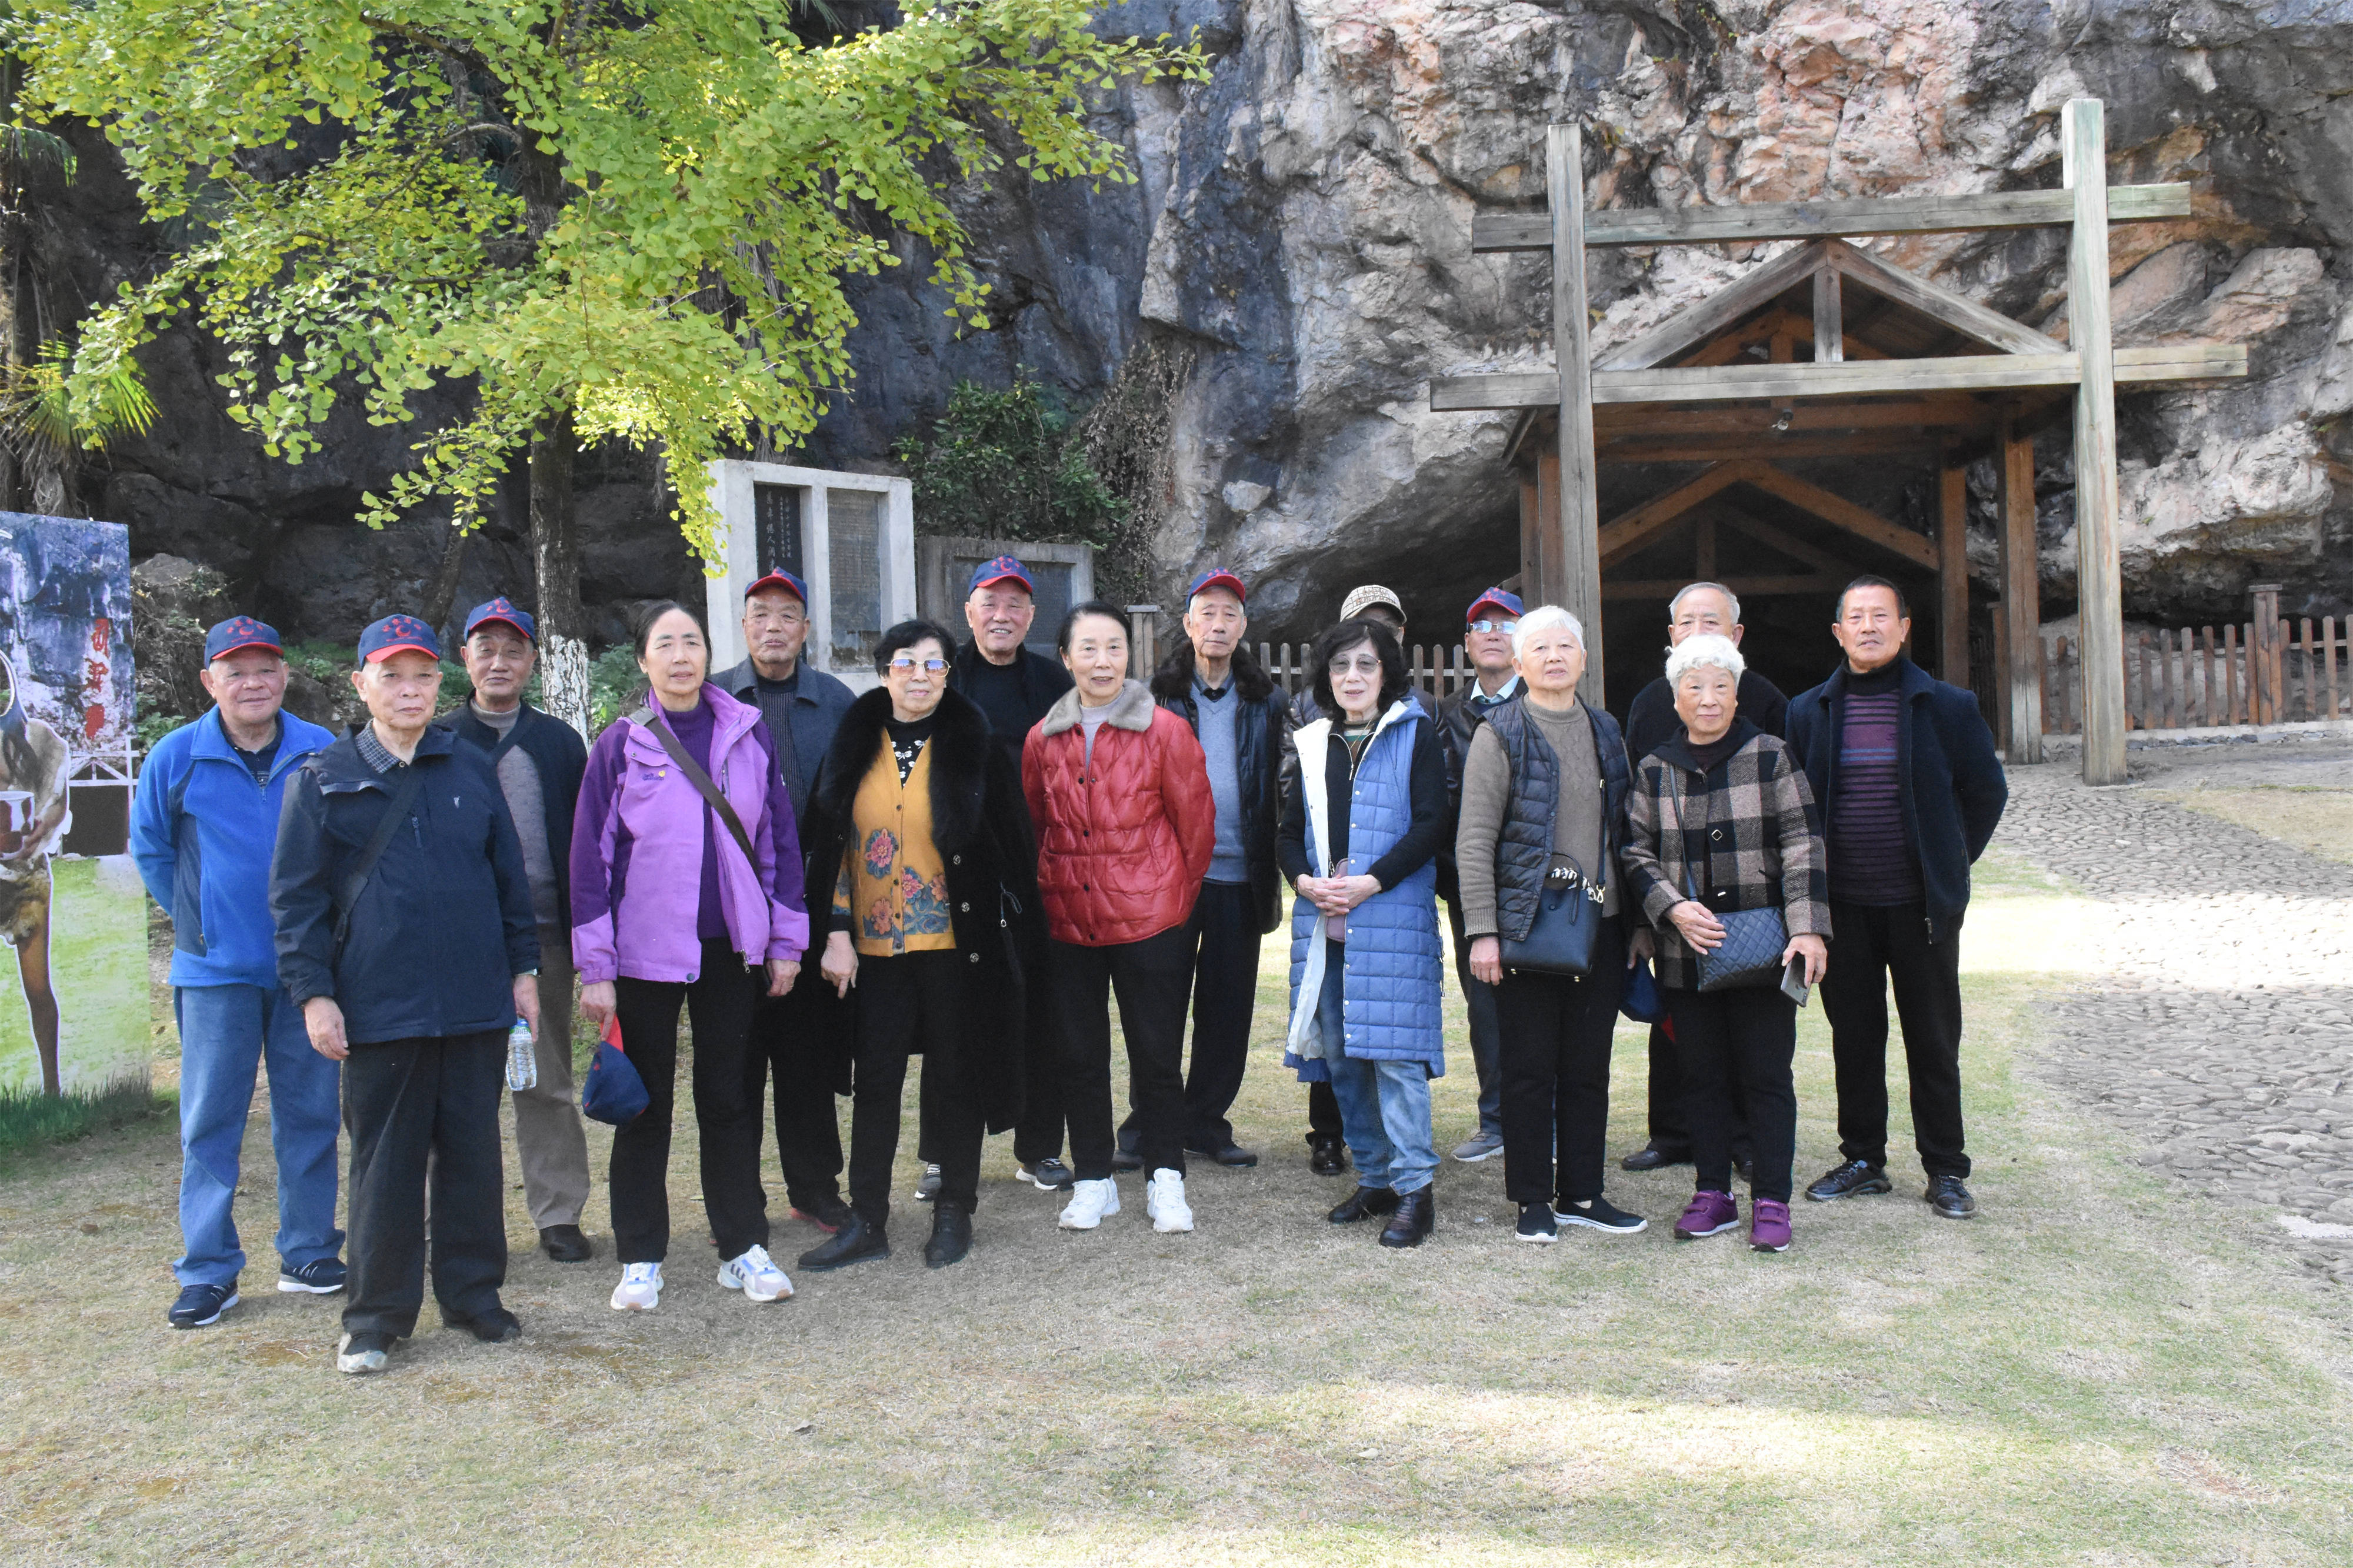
672, 901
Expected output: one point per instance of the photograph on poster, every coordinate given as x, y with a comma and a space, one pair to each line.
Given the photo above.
73, 1000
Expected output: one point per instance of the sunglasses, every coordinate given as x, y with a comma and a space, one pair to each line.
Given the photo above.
903, 663
1506, 627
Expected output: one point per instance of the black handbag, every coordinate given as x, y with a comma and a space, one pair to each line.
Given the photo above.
1568, 913
1750, 954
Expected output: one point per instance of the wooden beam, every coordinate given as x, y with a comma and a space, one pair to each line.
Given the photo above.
1953, 573
1580, 505
1751, 222
1648, 448
1531, 530
1632, 530
1747, 587
1959, 312
1840, 512
1829, 316
1727, 349
2099, 583
1695, 324
1547, 560
1789, 544
1951, 410
2021, 597
1738, 382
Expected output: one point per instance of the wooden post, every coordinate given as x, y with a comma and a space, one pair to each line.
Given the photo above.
1143, 640
1953, 573
1545, 562
2264, 655
1829, 322
1580, 506
2099, 578
1532, 528
2022, 594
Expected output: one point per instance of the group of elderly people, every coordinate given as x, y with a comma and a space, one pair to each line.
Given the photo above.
982, 855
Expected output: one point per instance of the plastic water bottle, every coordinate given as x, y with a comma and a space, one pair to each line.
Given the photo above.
522, 1062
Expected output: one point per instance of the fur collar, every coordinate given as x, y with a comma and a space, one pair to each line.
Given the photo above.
959, 748
1131, 710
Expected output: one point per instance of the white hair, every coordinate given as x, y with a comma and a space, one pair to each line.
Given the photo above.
1731, 599
1701, 652
1544, 617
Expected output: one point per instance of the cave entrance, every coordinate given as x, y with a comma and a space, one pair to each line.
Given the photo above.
1829, 357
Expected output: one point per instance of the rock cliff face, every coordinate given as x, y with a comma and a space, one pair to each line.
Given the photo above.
1302, 225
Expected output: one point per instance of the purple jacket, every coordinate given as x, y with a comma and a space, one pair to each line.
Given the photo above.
637, 853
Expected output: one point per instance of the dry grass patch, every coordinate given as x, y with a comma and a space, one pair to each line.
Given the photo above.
2099, 1369
2316, 821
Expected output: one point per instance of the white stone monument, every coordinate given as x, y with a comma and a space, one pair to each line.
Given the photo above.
851, 537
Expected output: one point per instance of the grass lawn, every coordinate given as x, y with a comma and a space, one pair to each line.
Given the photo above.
2101, 1368
2316, 821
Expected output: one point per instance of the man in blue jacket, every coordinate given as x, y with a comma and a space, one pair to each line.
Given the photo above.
201, 827
804, 1035
1911, 792
406, 932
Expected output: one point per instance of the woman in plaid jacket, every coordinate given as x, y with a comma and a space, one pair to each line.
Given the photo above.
1720, 820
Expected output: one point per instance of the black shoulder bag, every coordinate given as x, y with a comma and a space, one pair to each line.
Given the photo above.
355, 881
1568, 914
644, 719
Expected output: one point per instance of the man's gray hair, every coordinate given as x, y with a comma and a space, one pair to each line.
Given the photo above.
1704, 651
1688, 589
1544, 617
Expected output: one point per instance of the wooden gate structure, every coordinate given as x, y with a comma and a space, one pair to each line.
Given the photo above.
1898, 365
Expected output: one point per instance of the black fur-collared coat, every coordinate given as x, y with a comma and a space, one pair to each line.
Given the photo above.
981, 827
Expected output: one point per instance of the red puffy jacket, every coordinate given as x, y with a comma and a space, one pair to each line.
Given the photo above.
1123, 843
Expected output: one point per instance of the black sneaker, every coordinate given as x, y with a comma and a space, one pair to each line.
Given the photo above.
1231, 1156
951, 1237
494, 1327
1601, 1215
854, 1242
1950, 1198
829, 1216
1854, 1179
1536, 1225
1047, 1175
320, 1277
1126, 1160
927, 1185
363, 1353
1650, 1156
201, 1306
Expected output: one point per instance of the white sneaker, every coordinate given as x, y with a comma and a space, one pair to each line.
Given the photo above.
361, 1354
1164, 1200
1090, 1201
757, 1275
639, 1290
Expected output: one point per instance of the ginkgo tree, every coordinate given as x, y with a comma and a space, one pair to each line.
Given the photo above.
593, 219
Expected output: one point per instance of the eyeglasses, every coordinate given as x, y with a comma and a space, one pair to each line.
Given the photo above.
1506, 627
903, 664
1370, 665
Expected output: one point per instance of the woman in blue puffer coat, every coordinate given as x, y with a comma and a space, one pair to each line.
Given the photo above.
1359, 834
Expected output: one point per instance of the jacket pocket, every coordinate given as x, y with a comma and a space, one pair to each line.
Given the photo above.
188, 896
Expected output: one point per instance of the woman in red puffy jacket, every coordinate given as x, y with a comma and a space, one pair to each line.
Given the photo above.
1120, 799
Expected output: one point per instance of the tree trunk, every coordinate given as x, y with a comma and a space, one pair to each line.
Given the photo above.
443, 591
555, 555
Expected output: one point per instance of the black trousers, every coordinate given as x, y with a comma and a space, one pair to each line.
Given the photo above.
1554, 1059
1670, 1107
1735, 1048
1323, 1114
726, 1109
1151, 978
1878, 944
408, 1103
909, 1004
798, 1040
1225, 939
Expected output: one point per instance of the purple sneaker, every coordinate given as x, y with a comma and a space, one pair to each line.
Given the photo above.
1709, 1214
1769, 1226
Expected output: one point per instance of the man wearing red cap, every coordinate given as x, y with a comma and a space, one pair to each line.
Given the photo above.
538, 758
1015, 688
803, 1038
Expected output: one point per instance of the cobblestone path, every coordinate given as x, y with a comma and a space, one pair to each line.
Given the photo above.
2219, 1027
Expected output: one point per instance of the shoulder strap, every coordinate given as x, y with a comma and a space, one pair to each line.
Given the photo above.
644, 719
355, 881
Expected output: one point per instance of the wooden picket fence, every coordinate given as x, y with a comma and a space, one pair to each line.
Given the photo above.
1435, 671
2256, 672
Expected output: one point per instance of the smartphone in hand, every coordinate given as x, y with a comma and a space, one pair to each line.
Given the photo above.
1793, 979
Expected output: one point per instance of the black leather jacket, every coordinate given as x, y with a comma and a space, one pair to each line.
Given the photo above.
1261, 739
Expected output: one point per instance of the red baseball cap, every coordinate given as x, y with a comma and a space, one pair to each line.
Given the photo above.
1219, 577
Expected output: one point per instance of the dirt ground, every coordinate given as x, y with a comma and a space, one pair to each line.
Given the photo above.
2104, 1367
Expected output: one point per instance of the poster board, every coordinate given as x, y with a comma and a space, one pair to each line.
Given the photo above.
73, 927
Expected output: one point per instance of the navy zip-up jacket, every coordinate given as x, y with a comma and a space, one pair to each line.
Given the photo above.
1953, 791
444, 924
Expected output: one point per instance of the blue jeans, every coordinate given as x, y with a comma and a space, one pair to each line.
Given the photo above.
226, 1031
1384, 1105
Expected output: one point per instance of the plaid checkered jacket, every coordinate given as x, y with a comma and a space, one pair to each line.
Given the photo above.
1752, 839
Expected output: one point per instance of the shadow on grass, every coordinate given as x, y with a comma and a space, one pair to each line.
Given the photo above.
31, 1122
